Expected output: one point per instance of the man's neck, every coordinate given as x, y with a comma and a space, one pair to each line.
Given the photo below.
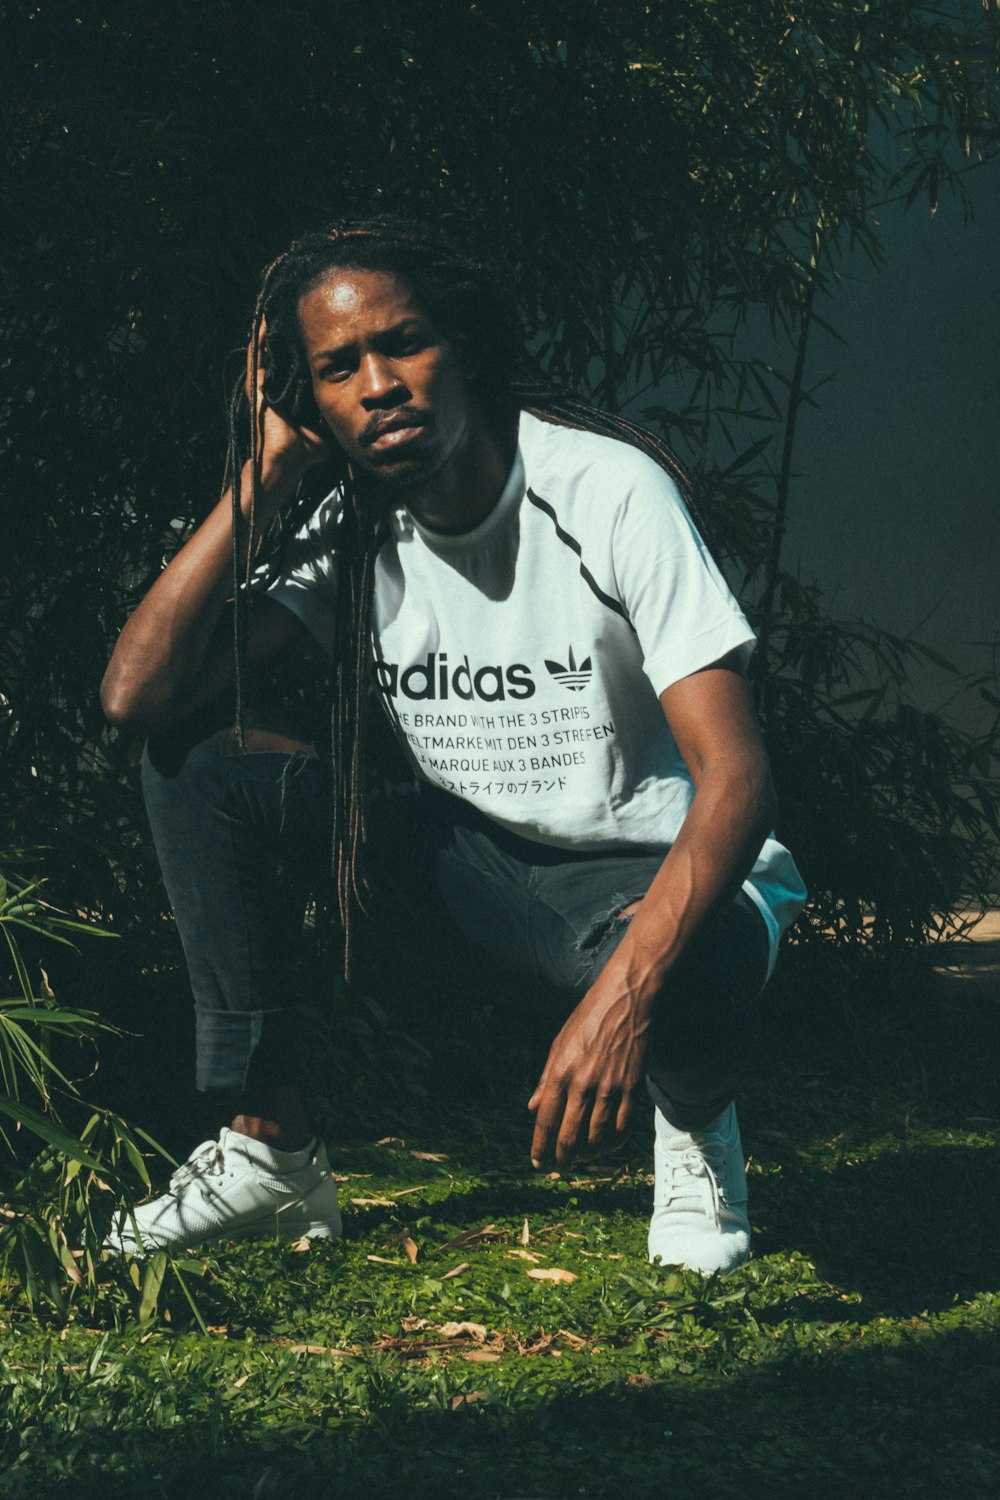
464, 491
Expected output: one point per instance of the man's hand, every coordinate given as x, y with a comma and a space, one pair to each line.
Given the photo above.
584, 1098
287, 449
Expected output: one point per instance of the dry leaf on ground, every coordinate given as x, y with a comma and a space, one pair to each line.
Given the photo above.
318, 1349
466, 1236
438, 1342
408, 1245
373, 1203
550, 1273
429, 1155
466, 1399
572, 1339
525, 1234
458, 1330
390, 1140
481, 1357
456, 1270
523, 1255
539, 1343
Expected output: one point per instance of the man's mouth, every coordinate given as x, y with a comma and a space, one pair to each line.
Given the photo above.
393, 432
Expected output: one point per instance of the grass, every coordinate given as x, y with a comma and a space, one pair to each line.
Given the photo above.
856, 1354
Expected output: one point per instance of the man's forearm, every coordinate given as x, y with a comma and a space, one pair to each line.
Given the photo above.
728, 820
157, 662
596, 1063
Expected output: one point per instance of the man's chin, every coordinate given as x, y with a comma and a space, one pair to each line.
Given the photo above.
402, 472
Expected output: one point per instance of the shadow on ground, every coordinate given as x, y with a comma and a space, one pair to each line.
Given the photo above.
774, 1432
913, 1231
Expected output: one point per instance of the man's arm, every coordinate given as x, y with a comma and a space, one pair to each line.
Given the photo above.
175, 652
597, 1062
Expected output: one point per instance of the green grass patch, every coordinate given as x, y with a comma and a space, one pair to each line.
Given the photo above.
419, 1357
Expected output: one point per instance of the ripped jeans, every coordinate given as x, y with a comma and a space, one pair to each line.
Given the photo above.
239, 836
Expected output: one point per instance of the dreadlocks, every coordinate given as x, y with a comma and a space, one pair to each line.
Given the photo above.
468, 299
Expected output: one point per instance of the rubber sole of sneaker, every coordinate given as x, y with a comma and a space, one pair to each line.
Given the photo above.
273, 1226
267, 1228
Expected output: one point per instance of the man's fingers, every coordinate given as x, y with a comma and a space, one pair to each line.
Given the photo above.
570, 1125
548, 1120
573, 1134
603, 1121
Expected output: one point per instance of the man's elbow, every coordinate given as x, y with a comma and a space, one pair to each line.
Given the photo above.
127, 707
120, 707
751, 783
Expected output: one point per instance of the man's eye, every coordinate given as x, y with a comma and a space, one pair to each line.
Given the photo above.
411, 343
335, 372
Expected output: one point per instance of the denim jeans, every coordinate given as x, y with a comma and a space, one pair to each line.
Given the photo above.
241, 836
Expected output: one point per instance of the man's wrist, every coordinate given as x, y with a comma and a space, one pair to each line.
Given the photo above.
639, 976
279, 479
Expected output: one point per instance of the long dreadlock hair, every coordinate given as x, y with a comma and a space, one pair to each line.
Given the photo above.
468, 298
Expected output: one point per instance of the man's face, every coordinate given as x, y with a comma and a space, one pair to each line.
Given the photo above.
389, 385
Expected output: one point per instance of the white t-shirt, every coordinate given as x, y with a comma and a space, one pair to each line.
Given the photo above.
521, 662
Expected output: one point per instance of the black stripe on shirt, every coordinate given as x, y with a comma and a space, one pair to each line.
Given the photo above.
570, 541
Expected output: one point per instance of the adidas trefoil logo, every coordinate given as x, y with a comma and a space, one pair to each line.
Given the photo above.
573, 678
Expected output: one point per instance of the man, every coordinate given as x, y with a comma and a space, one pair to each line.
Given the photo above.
518, 582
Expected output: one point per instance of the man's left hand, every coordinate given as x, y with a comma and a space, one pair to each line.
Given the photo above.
584, 1098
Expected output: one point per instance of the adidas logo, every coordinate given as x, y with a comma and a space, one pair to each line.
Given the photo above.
573, 678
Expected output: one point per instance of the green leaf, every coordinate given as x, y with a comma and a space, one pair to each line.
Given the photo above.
46, 1130
152, 1283
182, 1269
14, 1009
932, 656
134, 1156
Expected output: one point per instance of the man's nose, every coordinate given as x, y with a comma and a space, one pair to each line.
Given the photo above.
381, 382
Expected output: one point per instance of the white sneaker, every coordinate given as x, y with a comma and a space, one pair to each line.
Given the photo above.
700, 1199
234, 1188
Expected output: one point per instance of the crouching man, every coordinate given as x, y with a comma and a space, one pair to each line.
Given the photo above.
515, 581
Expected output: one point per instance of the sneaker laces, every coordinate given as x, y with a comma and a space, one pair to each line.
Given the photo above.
207, 1160
701, 1164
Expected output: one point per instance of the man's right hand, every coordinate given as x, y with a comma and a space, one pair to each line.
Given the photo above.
287, 449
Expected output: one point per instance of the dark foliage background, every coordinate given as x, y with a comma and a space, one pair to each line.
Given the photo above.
656, 174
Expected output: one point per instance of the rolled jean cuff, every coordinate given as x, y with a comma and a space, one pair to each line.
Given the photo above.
237, 1049
688, 1116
